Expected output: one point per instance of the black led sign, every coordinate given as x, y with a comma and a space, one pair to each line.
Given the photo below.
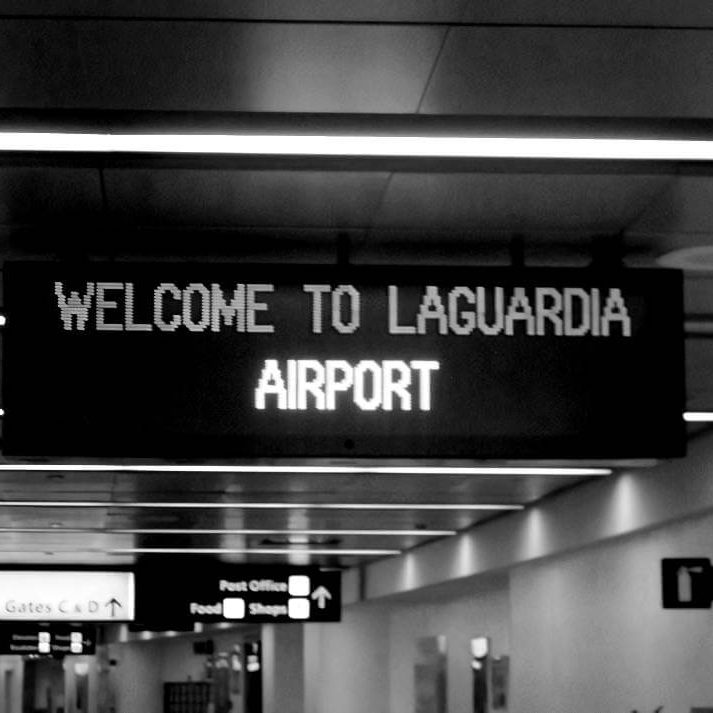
190, 360
237, 593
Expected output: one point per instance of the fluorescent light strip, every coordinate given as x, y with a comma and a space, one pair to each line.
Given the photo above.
247, 551
365, 146
304, 469
698, 416
293, 550
189, 531
253, 506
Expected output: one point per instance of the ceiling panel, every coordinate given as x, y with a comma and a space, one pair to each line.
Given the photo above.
276, 519
203, 66
312, 10
573, 72
598, 12
35, 195
243, 198
685, 207
606, 12
49, 517
403, 491
523, 203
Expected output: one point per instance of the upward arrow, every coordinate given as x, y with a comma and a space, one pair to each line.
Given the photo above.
113, 603
321, 594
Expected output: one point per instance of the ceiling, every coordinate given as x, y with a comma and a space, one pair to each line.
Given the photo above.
554, 60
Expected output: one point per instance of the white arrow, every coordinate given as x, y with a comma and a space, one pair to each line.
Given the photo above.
321, 594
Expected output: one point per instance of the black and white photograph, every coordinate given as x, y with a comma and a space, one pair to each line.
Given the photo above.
356, 356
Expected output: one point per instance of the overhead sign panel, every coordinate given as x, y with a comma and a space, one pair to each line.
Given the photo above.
52, 595
47, 639
240, 594
239, 360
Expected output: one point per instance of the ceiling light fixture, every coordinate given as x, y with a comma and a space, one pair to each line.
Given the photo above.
59, 529
254, 506
698, 416
306, 469
333, 145
292, 550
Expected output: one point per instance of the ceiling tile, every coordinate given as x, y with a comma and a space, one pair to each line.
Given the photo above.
205, 66
322, 10
244, 198
35, 195
686, 206
604, 12
511, 202
573, 72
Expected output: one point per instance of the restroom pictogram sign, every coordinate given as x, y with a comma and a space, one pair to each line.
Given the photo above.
687, 583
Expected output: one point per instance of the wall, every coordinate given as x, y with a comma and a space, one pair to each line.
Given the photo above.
589, 633
283, 668
585, 630
137, 678
49, 674
478, 613
366, 663
11, 673
346, 664
72, 681
625, 503
144, 666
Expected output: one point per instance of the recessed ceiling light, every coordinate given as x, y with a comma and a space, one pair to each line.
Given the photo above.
392, 146
292, 550
254, 506
58, 528
698, 416
307, 469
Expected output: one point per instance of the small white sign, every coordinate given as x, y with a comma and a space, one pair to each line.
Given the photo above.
298, 608
234, 608
298, 585
66, 596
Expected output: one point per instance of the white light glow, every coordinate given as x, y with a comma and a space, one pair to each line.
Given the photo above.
189, 531
698, 416
303, 469
254, 506
364, 146
248, 551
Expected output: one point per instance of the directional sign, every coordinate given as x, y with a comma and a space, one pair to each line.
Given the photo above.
238, 594
47, 639
687, 583
51, 595
321, 595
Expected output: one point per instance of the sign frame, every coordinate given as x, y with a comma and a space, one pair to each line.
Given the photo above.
46, 608
221, 592
193, 395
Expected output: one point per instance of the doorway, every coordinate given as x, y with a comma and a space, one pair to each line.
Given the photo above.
43, 686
